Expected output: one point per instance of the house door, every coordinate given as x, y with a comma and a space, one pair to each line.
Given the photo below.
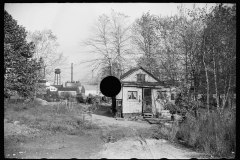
147, 100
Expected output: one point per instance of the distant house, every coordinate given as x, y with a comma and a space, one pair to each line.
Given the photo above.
142, 93
72, 91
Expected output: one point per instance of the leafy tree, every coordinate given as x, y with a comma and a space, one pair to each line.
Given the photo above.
46, 48
220, 47
20, 69
144, 38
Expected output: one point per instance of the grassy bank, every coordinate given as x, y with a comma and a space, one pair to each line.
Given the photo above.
213, 133
48, 118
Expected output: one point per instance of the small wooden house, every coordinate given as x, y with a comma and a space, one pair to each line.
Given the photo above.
141, 93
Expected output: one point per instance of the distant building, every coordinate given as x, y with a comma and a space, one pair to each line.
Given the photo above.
57, 86
73, 84
52, 88
72, 91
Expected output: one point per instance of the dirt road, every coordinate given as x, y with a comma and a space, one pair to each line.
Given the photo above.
138, 147
20, 141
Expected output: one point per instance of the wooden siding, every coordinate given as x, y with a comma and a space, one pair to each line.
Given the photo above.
133, 77
132, 106
119, 96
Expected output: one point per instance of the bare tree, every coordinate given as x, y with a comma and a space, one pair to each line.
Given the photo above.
109, 45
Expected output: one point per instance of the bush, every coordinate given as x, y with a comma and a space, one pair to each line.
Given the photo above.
171, 107
213, 133
81, 98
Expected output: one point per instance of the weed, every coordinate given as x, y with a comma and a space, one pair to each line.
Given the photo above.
214, 133
114, 135
47, 118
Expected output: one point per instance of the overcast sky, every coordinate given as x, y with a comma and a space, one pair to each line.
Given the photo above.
71, 23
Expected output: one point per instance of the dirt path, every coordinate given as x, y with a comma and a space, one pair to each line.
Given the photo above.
138, 147
23, 142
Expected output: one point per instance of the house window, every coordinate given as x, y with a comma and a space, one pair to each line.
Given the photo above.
140, 77
132, 94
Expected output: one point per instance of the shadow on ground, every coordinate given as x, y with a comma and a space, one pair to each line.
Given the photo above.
104, 110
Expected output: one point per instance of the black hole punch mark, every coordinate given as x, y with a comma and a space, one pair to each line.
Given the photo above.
110, 86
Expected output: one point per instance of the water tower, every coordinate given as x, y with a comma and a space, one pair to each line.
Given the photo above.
57, 79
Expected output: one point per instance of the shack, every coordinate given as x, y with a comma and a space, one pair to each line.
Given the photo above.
142, 93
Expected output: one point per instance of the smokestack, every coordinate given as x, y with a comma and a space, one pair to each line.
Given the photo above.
72, 72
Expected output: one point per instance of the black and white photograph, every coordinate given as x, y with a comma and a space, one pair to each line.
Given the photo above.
120, 80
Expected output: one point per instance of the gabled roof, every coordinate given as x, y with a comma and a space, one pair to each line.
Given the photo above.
135, 69
67, 89
128, 72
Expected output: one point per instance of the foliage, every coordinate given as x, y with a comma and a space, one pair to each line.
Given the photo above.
81, 98
66, 95
213, 133
51, 95
46, 47
171, 107
145, 39
196, 48
20, 69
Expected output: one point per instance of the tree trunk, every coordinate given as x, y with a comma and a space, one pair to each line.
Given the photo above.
226, 97
215, 82
207, 79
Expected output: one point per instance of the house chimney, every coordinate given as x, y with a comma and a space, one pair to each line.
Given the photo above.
72, 72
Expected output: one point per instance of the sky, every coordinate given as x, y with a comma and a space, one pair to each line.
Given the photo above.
71, 23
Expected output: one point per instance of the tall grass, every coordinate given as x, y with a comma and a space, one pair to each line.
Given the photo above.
213, 133
48, 118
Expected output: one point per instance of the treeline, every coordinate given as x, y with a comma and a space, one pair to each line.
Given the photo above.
194, 49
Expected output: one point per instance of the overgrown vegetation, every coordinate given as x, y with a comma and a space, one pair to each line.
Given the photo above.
48, 118
213, 133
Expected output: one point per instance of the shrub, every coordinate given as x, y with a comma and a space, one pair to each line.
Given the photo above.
171, 107
213, 133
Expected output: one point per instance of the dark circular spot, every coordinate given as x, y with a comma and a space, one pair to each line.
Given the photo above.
110, 86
